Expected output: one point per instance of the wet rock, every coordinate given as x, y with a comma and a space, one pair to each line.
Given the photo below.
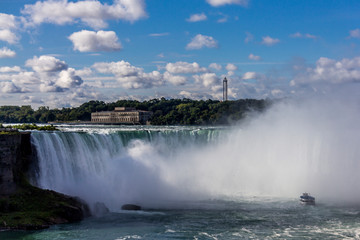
131, 207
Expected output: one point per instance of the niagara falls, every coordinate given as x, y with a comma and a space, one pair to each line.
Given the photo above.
178, 119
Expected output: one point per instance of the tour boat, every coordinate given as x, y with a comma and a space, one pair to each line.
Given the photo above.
307, 199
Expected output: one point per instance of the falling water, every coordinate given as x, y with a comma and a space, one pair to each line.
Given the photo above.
292, 148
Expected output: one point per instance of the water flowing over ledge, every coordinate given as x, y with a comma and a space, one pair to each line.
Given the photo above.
290, 149
116, 165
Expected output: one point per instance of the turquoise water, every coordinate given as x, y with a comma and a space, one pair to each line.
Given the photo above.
259, 219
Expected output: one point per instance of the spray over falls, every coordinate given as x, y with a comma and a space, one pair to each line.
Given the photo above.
292, 148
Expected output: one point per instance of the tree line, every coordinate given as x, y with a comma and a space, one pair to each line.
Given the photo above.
165, 111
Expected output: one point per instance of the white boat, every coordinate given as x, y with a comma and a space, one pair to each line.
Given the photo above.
307, 199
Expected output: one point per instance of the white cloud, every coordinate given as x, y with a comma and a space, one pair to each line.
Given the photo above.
231, 67
306, 35
330, 71
84, 72
200, 41
197, 17
68, 79
129, 76
175, 79
51, 75
215, 66
217, 3
8, 23
121, 68
91, 12
254, 57
355, 33
249, 75
31, 99
89, 41
207, 79
186, 94
10, 69
9, 87
25, 78
269, 41
49, 87
7, 36
184, 67
158, 34
6, 53
46, 63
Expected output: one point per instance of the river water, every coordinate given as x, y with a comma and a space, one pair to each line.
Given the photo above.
238, 182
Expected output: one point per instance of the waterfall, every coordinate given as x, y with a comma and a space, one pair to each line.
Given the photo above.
290, 149
117, 167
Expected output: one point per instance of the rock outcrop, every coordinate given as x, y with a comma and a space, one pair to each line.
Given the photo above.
23, 206
131, 207
15, 157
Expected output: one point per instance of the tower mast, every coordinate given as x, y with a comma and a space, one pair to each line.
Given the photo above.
225, 89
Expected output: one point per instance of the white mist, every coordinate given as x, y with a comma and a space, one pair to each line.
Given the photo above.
294, 147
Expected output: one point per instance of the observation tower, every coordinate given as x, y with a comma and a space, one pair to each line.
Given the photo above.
225, 89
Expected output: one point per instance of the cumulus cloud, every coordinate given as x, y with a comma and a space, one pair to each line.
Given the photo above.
31, 99
231, 67
207, 79
217, 3
50, 73
7, 36
7, 21
254, 57
175, 79
269, 41
215, 66
330, 71
129, 76
90, 41
91, 12
84, 72
184, 67
6, 53
68, 79
8, 24
197, 17
200, 41
355, 33
249, 75
46, 63
10, 69
25, 79
10, 87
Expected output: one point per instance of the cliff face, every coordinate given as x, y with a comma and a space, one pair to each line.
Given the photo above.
15, 157
23, 206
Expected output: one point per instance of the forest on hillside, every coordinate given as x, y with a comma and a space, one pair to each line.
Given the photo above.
165, 111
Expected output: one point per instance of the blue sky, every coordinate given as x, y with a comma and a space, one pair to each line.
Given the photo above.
61, 53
